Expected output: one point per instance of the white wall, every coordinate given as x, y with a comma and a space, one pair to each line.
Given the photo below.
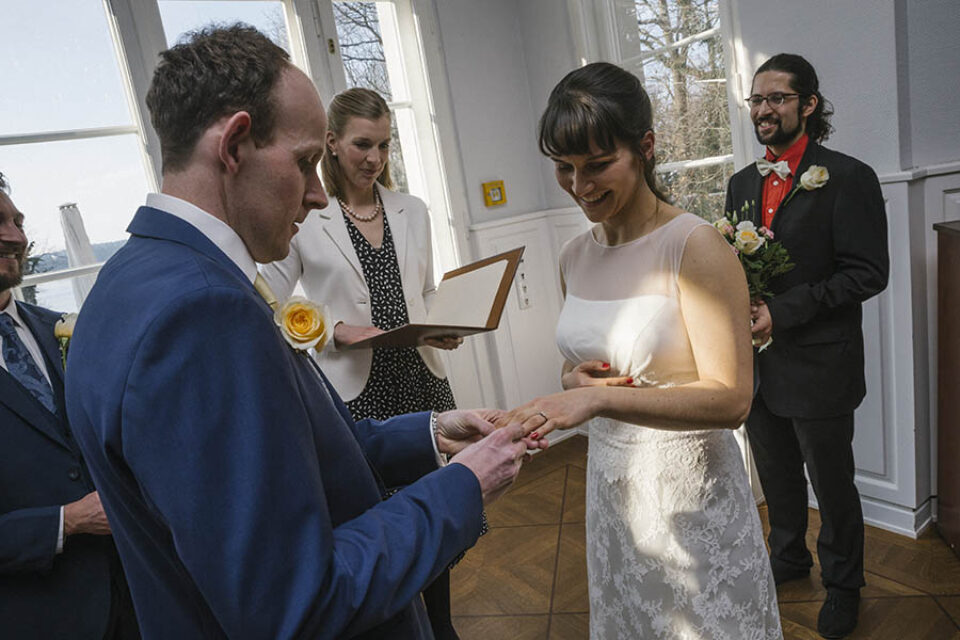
852, 48
549, 53
931, 57
502, 58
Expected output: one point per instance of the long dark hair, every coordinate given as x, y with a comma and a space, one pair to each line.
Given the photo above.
352, 103
603, 103
803, 80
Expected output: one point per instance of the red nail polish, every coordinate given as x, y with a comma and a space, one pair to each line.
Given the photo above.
629, 380
535, 435
605, 365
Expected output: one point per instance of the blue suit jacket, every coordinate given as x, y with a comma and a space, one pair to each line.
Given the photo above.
42, 594
243, 498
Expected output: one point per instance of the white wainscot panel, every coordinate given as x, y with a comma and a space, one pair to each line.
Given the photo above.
522, 354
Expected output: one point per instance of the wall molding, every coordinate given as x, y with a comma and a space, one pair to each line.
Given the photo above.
892, 517
920, 173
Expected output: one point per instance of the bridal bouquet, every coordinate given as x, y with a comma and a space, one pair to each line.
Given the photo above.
761, 257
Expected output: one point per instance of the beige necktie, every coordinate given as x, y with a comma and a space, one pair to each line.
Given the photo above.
260, 284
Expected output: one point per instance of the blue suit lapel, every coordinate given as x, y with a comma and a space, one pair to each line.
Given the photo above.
153, 223
42, 326
21, 401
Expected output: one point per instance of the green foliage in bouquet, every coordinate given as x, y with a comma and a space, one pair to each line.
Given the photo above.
761, 257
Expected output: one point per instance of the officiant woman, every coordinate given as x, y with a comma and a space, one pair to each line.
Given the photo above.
368, 258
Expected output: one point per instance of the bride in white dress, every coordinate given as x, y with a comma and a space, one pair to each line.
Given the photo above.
655, 330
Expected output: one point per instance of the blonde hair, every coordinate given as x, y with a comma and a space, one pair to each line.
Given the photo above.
352, 103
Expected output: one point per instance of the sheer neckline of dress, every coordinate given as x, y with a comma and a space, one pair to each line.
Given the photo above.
645, 236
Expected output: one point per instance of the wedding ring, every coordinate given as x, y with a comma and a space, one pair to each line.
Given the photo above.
541, 413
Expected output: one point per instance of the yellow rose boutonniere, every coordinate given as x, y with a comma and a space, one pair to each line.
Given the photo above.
813, 178
63, 331
302, 323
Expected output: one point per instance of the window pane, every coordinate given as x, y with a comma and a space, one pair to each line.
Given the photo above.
398, 170
361, 46
64, 75
181, 16
701, 191
59, 295
104, 176
686, 84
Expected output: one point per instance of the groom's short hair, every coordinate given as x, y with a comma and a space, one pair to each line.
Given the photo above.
211, 73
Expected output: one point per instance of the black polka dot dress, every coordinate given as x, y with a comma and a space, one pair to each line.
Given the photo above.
399, 380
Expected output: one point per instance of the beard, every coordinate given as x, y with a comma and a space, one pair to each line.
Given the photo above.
779, 135
11, 279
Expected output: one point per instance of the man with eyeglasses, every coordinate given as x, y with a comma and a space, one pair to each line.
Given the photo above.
827, 210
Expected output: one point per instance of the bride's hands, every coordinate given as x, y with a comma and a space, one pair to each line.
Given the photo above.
562, 410
592, 373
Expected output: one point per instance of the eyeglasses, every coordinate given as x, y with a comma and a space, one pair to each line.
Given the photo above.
775, 99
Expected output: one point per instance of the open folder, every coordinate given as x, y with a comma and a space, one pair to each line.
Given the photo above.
468, 300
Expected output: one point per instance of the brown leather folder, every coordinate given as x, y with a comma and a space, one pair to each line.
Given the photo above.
468, 300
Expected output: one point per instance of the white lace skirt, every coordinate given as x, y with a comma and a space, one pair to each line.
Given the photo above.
674, 543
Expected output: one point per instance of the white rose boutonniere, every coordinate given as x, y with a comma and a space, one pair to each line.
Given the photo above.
303, 323
813, 178
63, 332
747, 239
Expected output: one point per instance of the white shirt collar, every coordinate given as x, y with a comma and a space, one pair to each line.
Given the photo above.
11, 309
216, 230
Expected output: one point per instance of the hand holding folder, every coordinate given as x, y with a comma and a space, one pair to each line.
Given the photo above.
468, 300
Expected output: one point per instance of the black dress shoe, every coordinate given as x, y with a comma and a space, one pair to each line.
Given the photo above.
786, 573
838, 615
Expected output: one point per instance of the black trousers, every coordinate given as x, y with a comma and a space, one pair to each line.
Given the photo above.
436, 597
781, 447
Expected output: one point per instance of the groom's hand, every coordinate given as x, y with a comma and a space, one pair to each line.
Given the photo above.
458, 429
495, 460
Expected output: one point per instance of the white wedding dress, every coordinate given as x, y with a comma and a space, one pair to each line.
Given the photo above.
674, 543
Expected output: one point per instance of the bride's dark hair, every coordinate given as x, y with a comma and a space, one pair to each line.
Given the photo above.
603, 103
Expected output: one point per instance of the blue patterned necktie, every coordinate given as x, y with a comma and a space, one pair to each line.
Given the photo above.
22, 366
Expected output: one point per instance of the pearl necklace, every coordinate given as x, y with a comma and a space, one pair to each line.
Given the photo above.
376, 210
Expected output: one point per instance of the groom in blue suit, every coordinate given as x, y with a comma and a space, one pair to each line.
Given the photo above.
244, 500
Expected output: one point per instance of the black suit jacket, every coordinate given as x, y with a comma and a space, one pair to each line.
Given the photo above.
42, 594
837, 238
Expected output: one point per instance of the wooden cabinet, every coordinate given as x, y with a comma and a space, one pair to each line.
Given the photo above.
948, 381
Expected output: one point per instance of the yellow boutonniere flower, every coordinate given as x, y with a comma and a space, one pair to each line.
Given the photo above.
63, 331
302, 323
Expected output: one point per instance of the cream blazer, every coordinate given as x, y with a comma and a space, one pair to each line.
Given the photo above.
323, 259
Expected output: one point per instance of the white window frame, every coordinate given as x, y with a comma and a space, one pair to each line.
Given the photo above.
601, 33
406, 31
137, 31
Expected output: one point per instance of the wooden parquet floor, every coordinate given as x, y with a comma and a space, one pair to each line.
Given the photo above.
526, 579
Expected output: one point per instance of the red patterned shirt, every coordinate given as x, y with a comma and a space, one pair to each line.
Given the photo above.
775, 188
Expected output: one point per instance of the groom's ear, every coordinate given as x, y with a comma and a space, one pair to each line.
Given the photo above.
235, 138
